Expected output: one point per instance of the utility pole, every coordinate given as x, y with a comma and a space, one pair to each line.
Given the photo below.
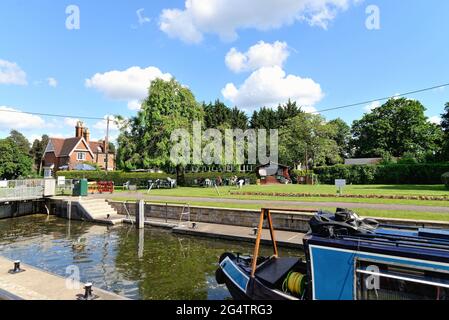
106, 147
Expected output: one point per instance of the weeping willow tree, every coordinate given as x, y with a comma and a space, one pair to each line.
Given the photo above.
145, 140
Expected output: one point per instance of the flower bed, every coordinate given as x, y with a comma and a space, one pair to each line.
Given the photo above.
328, 195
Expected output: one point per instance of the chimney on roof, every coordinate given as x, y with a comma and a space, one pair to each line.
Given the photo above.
86, 134
79, 129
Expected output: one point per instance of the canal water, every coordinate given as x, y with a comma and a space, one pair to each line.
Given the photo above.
151, 264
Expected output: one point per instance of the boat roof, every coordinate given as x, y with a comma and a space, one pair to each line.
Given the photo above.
420, 243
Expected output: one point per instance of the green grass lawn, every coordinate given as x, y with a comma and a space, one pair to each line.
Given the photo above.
412, 215
412, 190
426, 190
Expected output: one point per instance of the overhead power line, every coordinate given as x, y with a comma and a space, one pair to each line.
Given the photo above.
315, 112
382, 99
53, 115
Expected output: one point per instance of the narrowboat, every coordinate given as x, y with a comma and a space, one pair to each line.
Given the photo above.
346, 258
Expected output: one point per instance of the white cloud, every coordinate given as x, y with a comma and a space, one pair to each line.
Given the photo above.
52, 82
260, 55
16, 120
435, 120
113, 124
225, 17
128, 85
134, 105
270, 86
71, 122
11, 73
374, 105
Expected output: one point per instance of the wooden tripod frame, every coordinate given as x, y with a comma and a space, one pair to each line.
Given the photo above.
264, 214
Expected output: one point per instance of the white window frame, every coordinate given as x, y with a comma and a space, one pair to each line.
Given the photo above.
83, 158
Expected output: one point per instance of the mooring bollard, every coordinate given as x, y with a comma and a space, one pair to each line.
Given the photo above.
17, 266
255, 231
194, 225
88, 291
140, 216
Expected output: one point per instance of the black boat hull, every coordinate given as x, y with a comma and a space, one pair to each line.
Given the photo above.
250, 288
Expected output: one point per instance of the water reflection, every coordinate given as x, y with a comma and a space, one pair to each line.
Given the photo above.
145, 264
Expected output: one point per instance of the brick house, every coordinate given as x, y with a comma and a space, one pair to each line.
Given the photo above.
65, 154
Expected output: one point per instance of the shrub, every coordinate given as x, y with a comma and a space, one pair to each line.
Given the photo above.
295, 174
189, 178
141, 178
445, 178
118, 177
384, 174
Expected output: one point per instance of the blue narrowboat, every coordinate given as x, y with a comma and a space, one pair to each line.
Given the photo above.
346, 258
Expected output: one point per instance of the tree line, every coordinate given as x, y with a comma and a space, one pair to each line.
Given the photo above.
18, 158
396, 130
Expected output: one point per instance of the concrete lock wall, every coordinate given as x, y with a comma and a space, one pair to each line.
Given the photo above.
249, 218
236, 217
61, 209
20, 209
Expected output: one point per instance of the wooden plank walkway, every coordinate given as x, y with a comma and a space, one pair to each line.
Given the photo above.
226, 232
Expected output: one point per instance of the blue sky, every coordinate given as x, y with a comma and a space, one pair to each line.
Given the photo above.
321, 54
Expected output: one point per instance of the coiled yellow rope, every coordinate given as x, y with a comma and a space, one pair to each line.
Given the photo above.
294, 283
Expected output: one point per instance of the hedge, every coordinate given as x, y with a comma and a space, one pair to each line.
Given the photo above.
445, 178
191, 177
384, 174
118, 177
141, 178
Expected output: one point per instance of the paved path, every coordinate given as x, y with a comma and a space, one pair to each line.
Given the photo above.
271, 203
36, 284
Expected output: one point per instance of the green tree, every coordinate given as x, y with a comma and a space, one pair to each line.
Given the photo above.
145, 140
238, 119
445, 127
342, 137
265, 118
268, 118
217, 115
37, 151
308, 139
397, 127
20, 141
287, 111
14, 163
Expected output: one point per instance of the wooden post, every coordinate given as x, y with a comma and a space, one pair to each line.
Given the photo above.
69, 210
141, 243
140, 215
273, 239
256, 248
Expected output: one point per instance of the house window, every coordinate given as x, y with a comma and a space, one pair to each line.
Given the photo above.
81, 156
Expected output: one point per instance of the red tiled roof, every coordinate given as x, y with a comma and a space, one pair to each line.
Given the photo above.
69, 145
57, 145
94, 145
63, 147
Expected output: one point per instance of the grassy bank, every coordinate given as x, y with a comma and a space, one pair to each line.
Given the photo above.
225, 192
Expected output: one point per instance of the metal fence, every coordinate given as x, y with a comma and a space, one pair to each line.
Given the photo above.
21, 189
64, 188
